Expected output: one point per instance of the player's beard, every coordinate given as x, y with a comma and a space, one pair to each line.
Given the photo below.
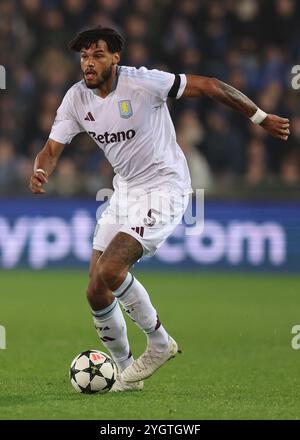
105, 75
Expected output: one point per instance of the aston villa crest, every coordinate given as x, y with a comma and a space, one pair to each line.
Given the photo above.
125, 108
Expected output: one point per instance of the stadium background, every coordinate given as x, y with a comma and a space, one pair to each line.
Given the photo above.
228, 156
252, 188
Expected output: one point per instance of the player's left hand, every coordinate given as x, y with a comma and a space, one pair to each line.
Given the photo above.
277, 127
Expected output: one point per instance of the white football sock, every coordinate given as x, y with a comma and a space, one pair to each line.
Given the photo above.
111, 328
136, 302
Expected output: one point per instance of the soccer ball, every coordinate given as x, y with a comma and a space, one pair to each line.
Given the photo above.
93, 371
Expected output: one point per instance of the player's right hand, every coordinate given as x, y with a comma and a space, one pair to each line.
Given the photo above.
277, 127
37, 180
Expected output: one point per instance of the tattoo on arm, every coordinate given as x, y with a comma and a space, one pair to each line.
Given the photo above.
232, 97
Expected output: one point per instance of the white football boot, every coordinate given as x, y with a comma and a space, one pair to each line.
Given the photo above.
120, 385
149, 362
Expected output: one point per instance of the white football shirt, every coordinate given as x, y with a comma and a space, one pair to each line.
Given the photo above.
132, 125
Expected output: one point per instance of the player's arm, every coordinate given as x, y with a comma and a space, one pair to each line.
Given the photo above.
219, 91
44, 165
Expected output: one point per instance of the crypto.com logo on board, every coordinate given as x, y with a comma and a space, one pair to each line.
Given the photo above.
2, 78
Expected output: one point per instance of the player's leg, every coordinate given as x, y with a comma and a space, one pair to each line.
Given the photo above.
123, 251
108, 317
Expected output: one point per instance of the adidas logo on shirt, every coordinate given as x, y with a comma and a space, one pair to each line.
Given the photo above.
89, 117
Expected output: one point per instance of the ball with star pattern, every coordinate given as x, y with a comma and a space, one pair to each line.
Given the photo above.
93, 371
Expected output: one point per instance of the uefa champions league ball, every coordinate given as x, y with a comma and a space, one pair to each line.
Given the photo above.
93, 371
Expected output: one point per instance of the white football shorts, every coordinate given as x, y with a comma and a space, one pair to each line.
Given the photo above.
148, 217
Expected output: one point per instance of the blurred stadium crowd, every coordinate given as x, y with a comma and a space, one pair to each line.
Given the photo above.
250, 44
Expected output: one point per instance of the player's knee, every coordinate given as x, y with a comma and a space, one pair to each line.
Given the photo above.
99, 298
111, 275
96, 289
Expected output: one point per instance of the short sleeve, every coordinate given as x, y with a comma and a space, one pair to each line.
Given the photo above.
65, 126
178, 86
159, 84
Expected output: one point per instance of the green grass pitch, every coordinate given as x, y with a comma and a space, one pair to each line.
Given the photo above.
234, 331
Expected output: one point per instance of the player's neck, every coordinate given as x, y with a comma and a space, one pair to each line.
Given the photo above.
108, 85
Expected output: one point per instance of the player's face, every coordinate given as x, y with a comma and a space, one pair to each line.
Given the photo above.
97, 63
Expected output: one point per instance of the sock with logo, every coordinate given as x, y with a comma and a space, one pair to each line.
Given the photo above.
136, 302
111, 328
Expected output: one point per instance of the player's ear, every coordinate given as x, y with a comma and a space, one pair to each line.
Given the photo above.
116, 58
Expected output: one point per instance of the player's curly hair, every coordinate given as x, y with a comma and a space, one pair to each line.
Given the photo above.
84, 39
